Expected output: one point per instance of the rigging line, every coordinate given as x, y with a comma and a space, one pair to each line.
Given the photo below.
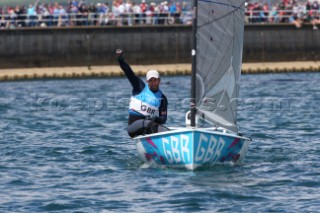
225, 4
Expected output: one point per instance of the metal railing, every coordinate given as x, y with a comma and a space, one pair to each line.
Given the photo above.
94, 19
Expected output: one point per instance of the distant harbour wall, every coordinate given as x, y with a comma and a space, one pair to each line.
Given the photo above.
60, 47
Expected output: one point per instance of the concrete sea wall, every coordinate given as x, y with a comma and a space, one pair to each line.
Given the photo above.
67, 47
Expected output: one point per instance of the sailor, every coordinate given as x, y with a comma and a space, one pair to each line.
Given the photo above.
148, 105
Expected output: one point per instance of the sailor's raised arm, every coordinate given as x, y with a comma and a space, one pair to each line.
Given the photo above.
134, 80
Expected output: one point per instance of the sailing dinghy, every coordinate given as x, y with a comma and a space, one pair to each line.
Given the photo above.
218, 27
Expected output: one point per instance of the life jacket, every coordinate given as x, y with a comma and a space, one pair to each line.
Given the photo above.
146, 103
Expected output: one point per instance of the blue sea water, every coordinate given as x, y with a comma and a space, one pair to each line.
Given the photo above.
64, 148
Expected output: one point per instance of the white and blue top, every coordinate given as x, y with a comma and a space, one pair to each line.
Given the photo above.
144, 103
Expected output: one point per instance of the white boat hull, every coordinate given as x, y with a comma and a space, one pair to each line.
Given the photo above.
191, 148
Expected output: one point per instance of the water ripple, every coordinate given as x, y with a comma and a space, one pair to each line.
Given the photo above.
64, 148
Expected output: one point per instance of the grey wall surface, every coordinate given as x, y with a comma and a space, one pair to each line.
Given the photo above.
44, 47
284, 42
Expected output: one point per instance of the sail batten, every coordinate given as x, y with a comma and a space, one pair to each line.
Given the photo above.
219, 35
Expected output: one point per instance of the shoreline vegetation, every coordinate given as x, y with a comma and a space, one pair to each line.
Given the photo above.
164, 70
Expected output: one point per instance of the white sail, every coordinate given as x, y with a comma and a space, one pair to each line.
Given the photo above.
220, 26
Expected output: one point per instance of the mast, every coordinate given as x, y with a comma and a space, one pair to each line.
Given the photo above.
194, 64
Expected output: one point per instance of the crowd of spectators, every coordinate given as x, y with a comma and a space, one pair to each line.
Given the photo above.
285, 11
139, 12
80, 13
